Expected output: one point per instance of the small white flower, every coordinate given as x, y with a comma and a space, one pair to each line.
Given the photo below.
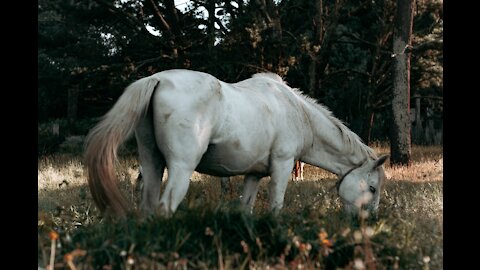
358, 264
357, 235
369, 231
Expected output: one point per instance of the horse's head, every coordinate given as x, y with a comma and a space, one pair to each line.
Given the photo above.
361, 187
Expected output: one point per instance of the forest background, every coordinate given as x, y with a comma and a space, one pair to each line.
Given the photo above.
338, 52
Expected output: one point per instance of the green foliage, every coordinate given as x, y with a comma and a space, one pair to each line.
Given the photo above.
100, 47
47, 141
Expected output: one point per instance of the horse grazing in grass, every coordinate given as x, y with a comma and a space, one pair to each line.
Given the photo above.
190, 121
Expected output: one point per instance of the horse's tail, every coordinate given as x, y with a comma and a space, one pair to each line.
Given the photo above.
104, 139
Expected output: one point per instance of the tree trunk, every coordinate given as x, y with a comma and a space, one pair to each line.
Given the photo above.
174, 20
210, 6
400, 138
317, 40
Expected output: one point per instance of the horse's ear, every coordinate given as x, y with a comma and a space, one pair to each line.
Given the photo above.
379, 162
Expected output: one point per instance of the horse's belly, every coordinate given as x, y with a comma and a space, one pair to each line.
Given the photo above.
225, 161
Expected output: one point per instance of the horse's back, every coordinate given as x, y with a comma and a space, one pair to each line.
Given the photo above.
194, 84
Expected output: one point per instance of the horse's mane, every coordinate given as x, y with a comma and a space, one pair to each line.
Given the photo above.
350, 139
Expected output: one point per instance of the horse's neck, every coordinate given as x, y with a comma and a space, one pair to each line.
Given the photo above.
328, 150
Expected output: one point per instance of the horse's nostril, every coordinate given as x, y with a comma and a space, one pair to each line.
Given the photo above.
372, 189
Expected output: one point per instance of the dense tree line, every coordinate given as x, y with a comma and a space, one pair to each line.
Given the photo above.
337, 51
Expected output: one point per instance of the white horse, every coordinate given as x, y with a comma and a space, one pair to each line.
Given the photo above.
190, 121
297, 175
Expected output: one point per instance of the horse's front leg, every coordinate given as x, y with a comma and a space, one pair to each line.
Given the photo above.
280, 172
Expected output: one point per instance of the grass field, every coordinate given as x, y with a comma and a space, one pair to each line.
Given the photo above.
209, 230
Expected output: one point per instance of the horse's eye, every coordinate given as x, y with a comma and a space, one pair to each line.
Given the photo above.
372, 189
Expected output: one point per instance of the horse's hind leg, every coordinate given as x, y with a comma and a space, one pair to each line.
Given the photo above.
153, 165
177, 186
183, 146
180, 168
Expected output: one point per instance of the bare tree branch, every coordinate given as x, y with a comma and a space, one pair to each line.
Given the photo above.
160, 16
152, 60
263, 8
217, 20
124, 17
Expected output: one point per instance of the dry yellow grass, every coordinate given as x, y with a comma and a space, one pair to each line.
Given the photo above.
61, 176
409, 225
62, 179
427, 164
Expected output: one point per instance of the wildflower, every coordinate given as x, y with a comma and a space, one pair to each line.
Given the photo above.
259, 242
324, 241
426, 260
327, 243
305, 248
322, 235
369, 231
53, 235
175, 255
286, 250
180, 264
296, 241
358, 264
357, 235
68, 257
244, 246
291, 60
78, 252
346, 232
209, 231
